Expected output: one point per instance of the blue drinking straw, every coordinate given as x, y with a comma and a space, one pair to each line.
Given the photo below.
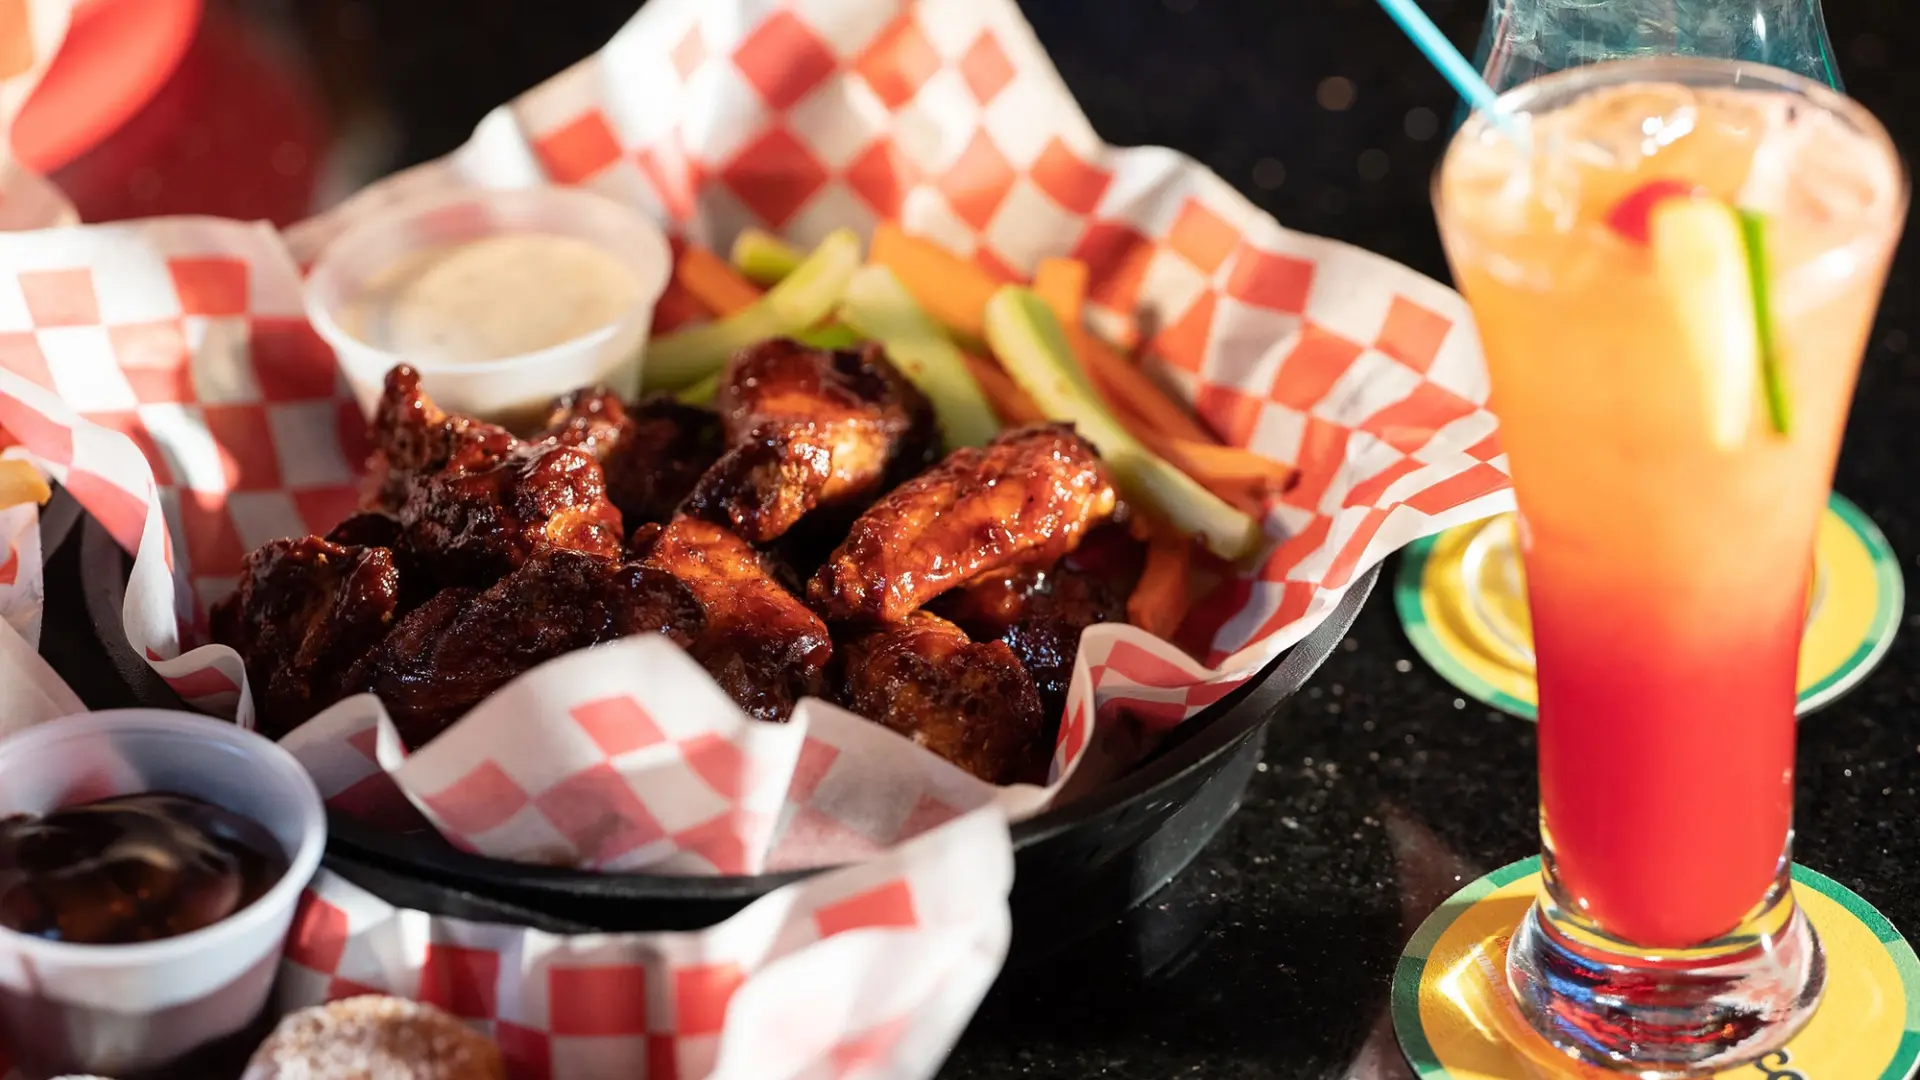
1445, 57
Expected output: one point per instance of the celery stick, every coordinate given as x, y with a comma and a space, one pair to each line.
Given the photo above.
765, 258
831, 335
878, 307
797, 303
1028, 340
700, 393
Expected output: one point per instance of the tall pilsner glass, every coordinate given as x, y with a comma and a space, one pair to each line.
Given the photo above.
1674, 265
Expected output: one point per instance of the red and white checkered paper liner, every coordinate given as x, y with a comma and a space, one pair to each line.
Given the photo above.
163, 371
870, 971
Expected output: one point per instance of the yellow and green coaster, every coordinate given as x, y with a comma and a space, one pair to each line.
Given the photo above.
1456, 1020
1462, 600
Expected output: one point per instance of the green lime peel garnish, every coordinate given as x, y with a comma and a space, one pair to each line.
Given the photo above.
1773, 379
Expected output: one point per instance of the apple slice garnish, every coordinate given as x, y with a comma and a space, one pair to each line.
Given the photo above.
1700, 256
1712, 261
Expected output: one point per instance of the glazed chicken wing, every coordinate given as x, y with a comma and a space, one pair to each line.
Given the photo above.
761, 644
592, 418
652, 453
970, 702
367, 528
447, 655
412, 437
472, 501
1027, 497
1040, 612
659, 457
808, 427
303, 613
478, 525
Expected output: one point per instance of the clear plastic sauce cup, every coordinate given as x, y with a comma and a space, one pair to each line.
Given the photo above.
124, 1010
500, 299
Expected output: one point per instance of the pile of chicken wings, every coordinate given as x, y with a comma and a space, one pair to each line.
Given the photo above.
803, 537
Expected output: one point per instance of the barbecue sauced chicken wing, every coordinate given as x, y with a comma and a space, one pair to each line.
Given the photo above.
413, 438
472, 501
1027, 497
592, 418
509, 553
809, 427
652, 452
1040, 612
662, 453
481, 524
761, 644
462, 645
367, 528
969, 702
304, 611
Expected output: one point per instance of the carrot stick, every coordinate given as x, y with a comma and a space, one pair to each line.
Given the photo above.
1208, 461
1062, 285
677, 308
1249, 499
713, 282
1010, 402
1241, 477
1118, 378
949, 288
1159, 602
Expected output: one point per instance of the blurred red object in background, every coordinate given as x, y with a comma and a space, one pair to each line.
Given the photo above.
115, 57
160, 107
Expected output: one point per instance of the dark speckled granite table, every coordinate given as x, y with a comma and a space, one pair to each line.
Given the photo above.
1382, 790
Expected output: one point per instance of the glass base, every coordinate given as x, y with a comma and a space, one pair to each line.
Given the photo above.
1658, 1015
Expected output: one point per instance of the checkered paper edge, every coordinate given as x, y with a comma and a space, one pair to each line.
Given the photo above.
184, 334
638, 761
868, 971
614, 758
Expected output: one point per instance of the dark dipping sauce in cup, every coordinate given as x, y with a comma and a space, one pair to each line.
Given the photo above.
120, 871
131, 868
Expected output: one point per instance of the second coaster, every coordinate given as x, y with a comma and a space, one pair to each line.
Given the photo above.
1456, 1021
1462, 600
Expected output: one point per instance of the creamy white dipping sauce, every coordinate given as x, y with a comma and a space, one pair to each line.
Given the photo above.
492, 298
